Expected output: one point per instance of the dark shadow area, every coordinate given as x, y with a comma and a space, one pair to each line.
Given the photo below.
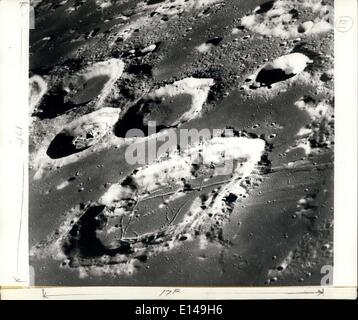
150, 2
53, 104
134, 119
62, 146
265, 7
294, 13
83, 241
215, 41
268, 77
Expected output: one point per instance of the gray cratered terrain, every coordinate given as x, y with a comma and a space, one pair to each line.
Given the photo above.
254, 77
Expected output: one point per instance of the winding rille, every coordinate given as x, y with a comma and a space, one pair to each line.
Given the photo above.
239, 154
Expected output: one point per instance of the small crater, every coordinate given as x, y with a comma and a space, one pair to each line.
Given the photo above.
54, 104
265, 7
214, 41
269, 77
62, 146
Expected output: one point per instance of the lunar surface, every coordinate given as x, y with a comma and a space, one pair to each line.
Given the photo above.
181, 142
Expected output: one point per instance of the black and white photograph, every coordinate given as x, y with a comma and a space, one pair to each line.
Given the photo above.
183, 143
